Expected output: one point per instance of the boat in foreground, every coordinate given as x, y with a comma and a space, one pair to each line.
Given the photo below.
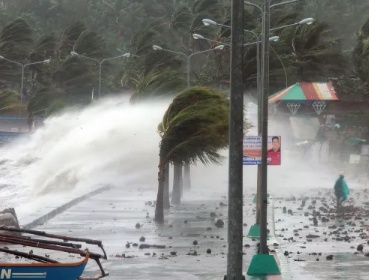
42, 267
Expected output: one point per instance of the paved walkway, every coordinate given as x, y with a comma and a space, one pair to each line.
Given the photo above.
111, 216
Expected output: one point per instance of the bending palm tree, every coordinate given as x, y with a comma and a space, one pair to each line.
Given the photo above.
194, 127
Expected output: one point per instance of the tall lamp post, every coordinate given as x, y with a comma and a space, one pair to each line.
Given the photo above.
255, 229
23, 66
188, 57
73, 53
270, 266
263, 263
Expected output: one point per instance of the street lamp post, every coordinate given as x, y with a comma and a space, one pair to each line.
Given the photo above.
188, 57
255, 229
269, 264
73, 53
22, 67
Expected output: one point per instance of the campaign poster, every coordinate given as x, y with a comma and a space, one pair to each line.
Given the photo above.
252, 150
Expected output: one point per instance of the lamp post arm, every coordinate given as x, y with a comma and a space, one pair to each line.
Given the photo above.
111, 58
284, 26
213, 41
284, 3
254, 5
284, 67
252, 43
33, 63
15, 62
91, 58
189, 64
180, 53
204, 51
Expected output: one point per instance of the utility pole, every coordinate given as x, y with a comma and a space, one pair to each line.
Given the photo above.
263, 263
264, 139
235, 183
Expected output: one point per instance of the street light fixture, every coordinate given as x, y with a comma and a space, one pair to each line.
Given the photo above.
197, 36
208, 22
74, 53
306, 21
156, 48
188, 57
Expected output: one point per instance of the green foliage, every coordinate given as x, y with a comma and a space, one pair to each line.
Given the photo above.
45, 29
156, 84
316, 55
9, 101
15, 43
195, 127
46, 101
361, 53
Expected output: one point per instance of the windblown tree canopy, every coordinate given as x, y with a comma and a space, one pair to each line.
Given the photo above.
194, 128
361, 53
190, 125
15, 43
42, 29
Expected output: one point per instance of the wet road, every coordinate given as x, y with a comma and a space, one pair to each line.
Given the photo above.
111, 216
309, 245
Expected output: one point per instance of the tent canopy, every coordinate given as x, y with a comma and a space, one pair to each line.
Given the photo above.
305, 91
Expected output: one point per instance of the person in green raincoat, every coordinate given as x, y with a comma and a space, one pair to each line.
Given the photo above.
341, 190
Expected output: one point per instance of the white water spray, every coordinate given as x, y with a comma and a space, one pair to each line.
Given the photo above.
110, 142
114, 142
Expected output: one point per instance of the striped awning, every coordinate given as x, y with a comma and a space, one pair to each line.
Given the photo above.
305, 91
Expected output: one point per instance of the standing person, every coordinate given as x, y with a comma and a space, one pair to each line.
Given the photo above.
274, 154
341, 190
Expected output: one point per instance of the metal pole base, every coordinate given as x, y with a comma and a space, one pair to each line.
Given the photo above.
243, 277
254, 231
263, 264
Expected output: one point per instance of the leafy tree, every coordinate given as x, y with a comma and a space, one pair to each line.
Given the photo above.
194, 127
10, 101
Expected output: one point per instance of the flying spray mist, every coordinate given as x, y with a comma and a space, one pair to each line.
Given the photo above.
113, 142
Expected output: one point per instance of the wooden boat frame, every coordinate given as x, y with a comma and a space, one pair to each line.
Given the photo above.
14, 236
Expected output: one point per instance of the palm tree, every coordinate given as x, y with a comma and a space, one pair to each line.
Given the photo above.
361, 53
157, 83
194, 128
15, 43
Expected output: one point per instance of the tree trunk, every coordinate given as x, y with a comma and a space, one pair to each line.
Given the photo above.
159, 209
187, 177
177, 174
166, 187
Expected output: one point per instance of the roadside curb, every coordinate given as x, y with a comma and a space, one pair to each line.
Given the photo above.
45, 218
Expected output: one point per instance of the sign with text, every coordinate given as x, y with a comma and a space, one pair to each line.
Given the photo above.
252, 150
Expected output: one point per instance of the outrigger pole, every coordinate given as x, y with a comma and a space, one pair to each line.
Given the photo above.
51, 245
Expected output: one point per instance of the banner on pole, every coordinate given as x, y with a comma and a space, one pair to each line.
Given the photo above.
252, 150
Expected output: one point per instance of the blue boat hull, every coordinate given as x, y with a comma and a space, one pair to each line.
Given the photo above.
43, 271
